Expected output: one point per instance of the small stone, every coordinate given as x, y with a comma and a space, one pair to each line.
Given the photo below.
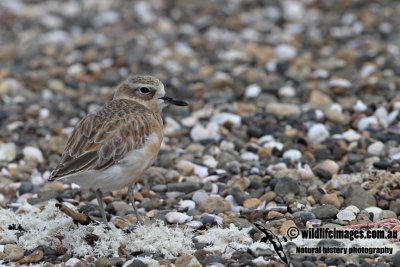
249, 156
34, 257
103, 262
74, 262
26, 187
395, 206
185, 187
331, 199
287, 91
340, 83
285, 227
210, 132
225, 117
214, 204
13, 253
177, 217
329, 165
351, 135
376, 149
33, 153
367, 122
199, 196
149, 204
358, 197
212, 260
268, 197
55, 186
346, 215
57, 144
252, 91
122, 206
274, 215
301, 217
251, 203
283, 109
185, 167
187, 261
317, 133
8, 152
319, 99
210, 161
286, 185
387, 214
285, 51
292, 154
325, 211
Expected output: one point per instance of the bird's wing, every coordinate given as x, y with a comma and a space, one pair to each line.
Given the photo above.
102, 139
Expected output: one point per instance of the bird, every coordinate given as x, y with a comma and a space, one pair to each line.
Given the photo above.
111, 148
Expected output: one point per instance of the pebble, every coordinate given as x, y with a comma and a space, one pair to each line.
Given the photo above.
214, 204
331, 199
367, 122
287, 91
292, 154
285, 51
376, 149
325, 211
8, 152
317, 133
199, 196
285, 186
346, 215
251, 203
252, 91
249, 156
13, 253
177, 217
351, 135
358, 197
329, 165
286, 225
187, 261
200, 133
33, 153
225, 117
283, 109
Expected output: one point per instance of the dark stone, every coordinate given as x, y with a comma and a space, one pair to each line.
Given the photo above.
254, 132
396, 259
150, 203
208, 187
324, 175
212, 259
354, 158
25, 187
137, 263
185, 187
357, 196
325, 211
301, 217
322, 153
239, 195
382, 165
286, 185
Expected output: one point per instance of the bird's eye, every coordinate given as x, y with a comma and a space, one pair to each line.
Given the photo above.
144, 90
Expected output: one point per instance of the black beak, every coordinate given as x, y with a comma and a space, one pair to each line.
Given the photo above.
174, 101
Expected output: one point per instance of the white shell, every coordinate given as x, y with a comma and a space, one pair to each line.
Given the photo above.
346, 215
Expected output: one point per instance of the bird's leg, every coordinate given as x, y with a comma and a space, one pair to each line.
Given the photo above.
99, 196
130, 194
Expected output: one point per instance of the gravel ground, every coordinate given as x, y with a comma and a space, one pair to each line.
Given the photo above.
293, 121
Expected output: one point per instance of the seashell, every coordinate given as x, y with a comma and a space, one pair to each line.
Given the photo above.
376, 213
346, 215
177, 217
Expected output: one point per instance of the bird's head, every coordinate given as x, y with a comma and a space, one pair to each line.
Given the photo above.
146, 90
